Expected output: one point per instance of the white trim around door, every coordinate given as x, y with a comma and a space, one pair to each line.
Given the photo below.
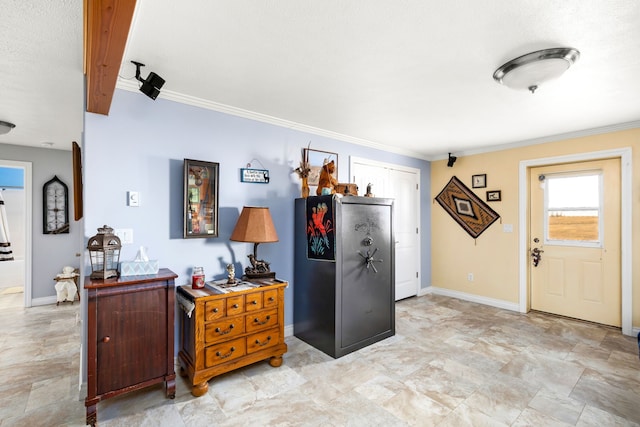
626, 243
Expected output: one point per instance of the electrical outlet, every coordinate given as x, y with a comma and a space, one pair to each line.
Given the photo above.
470, 277
125, 235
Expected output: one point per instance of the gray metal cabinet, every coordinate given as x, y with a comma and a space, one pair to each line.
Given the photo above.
346, 303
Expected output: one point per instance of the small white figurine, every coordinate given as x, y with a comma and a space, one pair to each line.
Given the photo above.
66, 288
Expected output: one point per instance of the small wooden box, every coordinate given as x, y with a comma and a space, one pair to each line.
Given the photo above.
347, 189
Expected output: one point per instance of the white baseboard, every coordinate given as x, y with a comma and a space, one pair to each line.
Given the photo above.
288, 331
425, 291
512, 306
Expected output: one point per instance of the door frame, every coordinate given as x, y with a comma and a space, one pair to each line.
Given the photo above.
28, 225
624, 154
409, 169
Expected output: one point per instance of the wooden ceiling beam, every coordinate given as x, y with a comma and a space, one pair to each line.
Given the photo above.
106, 29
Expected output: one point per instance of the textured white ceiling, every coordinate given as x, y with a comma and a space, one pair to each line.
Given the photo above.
412, 76
41, 76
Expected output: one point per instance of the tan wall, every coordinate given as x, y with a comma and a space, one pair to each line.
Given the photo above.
493, 256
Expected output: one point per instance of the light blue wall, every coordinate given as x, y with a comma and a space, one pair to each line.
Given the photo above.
140, 146
50, 252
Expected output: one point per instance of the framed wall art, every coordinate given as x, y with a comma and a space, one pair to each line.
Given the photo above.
200, 199
55, 203
494, 196
316, 159
479, 181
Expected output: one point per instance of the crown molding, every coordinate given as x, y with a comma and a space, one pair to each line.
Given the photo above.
132, 86
545, 139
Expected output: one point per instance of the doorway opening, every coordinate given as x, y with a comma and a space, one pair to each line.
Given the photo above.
15, 270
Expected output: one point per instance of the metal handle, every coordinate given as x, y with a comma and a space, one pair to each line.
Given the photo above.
262, 344
224, 356
221, 332
106, 339
369, 259
536, 256
256, 320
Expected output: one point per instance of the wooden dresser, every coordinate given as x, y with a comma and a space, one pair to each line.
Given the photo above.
130, 327
222, 329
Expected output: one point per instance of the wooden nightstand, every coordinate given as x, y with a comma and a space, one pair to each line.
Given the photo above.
129, 336
222, 329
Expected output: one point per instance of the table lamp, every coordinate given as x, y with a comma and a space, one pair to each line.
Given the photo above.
255, 226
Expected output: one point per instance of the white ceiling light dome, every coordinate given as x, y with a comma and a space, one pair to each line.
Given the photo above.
533, 69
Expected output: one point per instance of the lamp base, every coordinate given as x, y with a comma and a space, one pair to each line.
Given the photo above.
263, 275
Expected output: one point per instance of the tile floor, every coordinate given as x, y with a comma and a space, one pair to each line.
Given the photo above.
451, 363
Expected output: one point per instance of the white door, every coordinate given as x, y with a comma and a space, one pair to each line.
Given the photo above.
575, 240
402, 185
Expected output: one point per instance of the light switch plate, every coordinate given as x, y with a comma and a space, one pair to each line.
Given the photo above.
133, 198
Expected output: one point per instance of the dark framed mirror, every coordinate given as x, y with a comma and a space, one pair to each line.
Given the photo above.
200, 199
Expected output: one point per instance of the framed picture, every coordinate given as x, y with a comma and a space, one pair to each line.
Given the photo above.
479, 181
316, 160
494, 196
200, 199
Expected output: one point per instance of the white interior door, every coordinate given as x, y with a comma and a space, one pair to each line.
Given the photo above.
402, 185
575, 240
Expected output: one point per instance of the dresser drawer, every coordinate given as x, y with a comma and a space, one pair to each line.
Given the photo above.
224, 329
270, 298
214, 309
262, 320
235, 305
253, 301
224, 352
261, 340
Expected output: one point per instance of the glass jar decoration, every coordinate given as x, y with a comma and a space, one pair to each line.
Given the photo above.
104, 251
197, 278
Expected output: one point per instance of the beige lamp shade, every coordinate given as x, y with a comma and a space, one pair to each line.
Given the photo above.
255, 226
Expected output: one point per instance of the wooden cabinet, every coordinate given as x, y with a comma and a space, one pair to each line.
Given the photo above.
129, 336
222, 329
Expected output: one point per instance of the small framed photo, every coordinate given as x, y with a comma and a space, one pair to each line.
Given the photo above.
316, 159
494, 196
479, 181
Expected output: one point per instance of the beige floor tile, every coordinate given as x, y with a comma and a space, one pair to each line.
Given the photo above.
451, 363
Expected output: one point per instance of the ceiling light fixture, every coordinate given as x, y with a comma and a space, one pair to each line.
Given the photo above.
151, 85
533, 69
5, 127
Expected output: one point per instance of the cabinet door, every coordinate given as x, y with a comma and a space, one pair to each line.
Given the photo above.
132, 337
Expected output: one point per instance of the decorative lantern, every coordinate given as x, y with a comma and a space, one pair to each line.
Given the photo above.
104, 249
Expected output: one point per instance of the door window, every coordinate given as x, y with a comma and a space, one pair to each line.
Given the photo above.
573, 209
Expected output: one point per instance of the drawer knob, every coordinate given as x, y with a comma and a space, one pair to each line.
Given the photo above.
221, 332
256, 320
271, 299
235, 305
261, 344
215, 310
224, 356
106, 339
254, 302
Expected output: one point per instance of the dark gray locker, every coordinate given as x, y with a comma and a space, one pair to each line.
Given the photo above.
346, 304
